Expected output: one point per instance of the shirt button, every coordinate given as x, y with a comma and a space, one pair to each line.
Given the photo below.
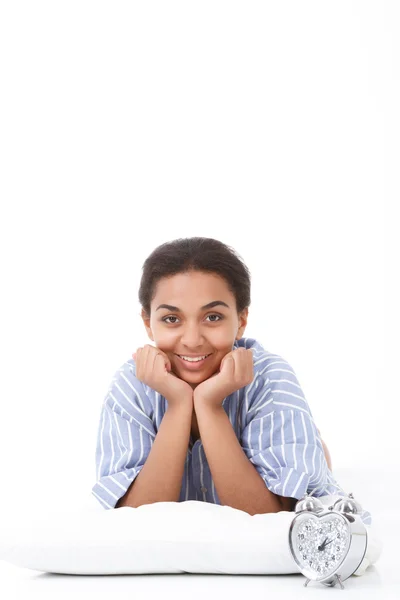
203, 489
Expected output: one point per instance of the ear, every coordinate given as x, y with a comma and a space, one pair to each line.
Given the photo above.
242, 323
146, 321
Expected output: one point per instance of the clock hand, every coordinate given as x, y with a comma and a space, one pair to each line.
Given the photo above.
324, 545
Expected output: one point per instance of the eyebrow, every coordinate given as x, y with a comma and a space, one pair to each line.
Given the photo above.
209, 305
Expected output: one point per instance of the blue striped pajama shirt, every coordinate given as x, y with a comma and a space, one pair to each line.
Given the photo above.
271, 419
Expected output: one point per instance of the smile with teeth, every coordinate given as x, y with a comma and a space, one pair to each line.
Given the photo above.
197, 359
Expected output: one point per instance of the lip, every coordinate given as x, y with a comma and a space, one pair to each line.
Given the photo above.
193, 366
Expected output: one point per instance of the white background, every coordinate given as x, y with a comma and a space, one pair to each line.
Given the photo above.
272, 127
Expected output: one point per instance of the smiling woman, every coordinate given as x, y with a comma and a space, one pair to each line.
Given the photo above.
246, 438
195, 295
188, 327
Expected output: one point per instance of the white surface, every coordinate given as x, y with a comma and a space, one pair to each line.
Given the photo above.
289, 106
163, 537
77, 226
380, 579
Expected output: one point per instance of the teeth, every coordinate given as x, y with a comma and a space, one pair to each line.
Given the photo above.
193, 359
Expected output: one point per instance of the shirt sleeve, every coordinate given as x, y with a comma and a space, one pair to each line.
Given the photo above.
280, 437
286, 450
125, 437
282, 441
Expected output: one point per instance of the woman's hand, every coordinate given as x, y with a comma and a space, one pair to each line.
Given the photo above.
236, 371
152, 368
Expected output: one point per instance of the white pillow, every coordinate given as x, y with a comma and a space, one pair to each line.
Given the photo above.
164, 537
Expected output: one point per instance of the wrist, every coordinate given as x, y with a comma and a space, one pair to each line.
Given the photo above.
202, 405
180, 404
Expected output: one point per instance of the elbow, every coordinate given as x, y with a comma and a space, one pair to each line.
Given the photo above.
120, 503
287, 503
123, 501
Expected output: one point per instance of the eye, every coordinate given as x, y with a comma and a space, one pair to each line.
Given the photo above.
220, 317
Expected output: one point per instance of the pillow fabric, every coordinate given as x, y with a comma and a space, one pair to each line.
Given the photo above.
163, 537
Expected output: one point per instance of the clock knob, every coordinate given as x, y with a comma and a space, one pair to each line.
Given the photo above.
309, 503
347, 504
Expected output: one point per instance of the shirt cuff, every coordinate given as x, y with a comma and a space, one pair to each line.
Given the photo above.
292, 483
110, 488
285, 481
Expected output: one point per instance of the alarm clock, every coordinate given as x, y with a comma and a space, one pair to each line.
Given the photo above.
327, 544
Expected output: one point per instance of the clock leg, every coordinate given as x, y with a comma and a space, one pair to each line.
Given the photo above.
307, 582
340, 581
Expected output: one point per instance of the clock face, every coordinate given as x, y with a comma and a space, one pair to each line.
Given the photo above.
319, 543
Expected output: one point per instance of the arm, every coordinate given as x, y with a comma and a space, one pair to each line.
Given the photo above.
229, 465
326, 452
160, 479
245, 473
289, 503
237, 481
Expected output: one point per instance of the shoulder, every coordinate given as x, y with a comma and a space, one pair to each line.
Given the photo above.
263, 359
127, 394
268, 366
125, 377
275, 386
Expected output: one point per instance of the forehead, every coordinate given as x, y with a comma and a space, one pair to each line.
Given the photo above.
190, 289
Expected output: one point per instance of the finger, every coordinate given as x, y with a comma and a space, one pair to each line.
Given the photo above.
167, 362
138, 362
152, 358
148, 359
164, 358
242, 365
159, 361
229, 363
240, 358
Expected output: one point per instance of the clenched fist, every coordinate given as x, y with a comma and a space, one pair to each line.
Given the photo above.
153, 368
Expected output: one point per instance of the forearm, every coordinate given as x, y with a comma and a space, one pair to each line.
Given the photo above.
326, 452
236, 479
160, 479
327, 455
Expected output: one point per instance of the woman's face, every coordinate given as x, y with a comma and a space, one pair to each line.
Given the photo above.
184, 327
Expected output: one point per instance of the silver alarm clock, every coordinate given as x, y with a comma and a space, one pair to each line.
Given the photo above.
327, 544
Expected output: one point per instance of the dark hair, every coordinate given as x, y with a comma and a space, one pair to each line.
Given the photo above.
195, 254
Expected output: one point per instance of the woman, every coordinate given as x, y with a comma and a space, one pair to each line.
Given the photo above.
232, 428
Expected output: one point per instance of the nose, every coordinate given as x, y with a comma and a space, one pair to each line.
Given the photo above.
192, 338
